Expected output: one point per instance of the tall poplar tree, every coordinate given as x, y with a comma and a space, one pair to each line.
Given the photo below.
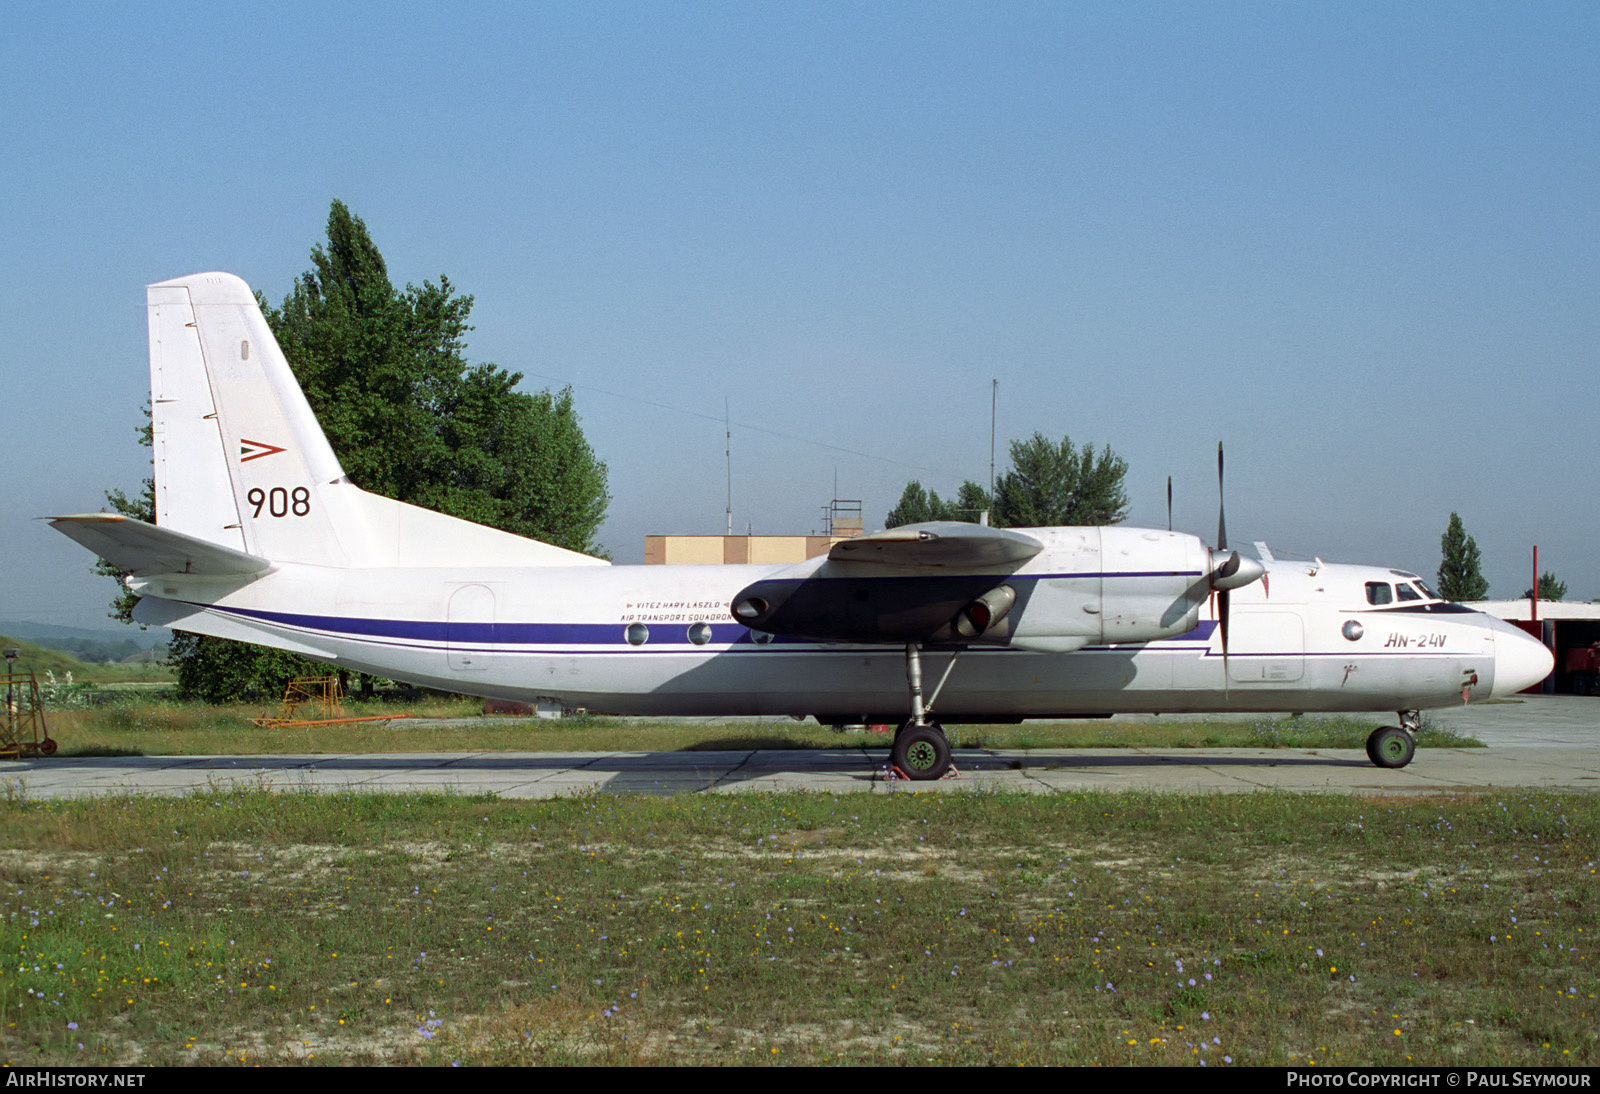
1460, 577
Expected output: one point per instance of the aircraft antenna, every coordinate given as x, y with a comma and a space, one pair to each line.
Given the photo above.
1533, 594
994, 399
727, 424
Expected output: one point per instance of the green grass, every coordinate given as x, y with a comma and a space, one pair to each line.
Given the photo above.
803, 928
143, 727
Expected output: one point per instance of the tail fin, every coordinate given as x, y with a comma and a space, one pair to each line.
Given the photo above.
240, 461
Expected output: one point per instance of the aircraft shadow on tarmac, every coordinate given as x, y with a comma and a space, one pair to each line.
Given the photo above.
677, 772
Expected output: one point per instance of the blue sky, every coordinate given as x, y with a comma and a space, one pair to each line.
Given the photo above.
1356, 242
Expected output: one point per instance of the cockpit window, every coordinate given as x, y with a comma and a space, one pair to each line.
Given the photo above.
1426, 591
1406, 592
1378, 592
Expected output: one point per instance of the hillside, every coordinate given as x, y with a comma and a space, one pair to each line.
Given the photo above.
39, 660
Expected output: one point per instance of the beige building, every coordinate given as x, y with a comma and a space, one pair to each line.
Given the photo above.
841, 519
715, 550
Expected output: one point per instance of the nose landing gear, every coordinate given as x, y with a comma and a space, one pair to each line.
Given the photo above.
1394, 746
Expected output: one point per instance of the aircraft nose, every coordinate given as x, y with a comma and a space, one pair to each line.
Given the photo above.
1520, 660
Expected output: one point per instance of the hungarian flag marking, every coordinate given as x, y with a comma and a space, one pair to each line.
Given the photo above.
254, 450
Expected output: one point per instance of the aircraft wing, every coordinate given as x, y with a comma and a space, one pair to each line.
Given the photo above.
941, 544
141, 549
905, 584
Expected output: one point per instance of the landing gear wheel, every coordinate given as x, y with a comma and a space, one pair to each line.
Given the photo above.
1390, 746
47, 747
922, 752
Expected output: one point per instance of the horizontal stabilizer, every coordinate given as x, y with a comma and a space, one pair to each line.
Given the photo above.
940, 543
141, 549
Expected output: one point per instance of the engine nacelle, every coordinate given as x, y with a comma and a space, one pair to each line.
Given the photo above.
1106, 585
1088, 586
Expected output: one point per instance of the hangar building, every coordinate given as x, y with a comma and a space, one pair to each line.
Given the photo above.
1569, 627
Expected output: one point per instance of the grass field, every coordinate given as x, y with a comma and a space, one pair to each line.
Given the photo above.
918, 928
149, 728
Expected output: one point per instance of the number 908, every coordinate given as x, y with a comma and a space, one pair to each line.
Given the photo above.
280, 501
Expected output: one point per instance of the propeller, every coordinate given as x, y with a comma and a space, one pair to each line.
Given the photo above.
1229, 569
1169, 503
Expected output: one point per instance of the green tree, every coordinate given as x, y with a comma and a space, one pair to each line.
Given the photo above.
971, 502
386, 373
140, 507
520, 463
914, 507
1052, 484
1549, 587
1460, 574
917, 505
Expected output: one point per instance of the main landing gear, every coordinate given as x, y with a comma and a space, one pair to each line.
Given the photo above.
921, 751
1393, 746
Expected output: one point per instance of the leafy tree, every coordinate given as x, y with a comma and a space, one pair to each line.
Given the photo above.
1460, 574
141, 507
386, 373
1054, 484
1549, 588
520, 463
914, 507
971, 502
917, 505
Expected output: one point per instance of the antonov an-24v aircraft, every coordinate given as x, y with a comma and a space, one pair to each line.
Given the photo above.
261, 537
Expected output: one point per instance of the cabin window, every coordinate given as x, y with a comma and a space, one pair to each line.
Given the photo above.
700, 633
1378, 592
1406, 592
637, 634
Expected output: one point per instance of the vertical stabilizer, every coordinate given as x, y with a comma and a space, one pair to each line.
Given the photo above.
240, 459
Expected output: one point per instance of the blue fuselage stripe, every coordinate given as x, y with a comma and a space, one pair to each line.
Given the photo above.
438, 632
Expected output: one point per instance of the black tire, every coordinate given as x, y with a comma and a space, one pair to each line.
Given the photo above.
1391, 747
922, 752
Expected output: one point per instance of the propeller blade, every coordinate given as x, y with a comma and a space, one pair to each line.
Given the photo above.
1222, 516
1223, 597
1169, 503
1225, 570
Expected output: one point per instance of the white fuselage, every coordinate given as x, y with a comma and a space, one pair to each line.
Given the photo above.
660, 640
